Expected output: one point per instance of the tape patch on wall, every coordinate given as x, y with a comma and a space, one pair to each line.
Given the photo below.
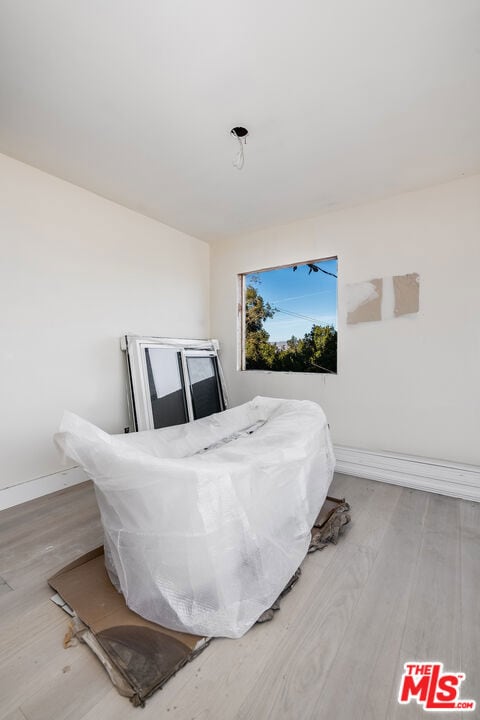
383, 298
407, 292
364, 301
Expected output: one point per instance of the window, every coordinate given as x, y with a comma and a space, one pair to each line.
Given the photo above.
288, 318
166, 386
204, 384
172, 381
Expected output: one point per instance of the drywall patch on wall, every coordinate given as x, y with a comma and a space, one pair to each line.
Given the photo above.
406, 288
383, 298
364, 301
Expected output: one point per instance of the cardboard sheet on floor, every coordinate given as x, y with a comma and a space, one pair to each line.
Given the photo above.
139, 655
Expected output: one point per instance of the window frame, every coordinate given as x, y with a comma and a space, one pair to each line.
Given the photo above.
241, 324
139, 400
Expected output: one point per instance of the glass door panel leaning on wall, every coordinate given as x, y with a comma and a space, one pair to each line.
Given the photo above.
172, 381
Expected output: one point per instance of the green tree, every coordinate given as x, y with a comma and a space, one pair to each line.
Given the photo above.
319, 349
316, 352
259, 352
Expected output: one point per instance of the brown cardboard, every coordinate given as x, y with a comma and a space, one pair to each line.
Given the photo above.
145, 654
85, 586
406, 289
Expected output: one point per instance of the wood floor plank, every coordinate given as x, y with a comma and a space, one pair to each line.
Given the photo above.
19, 521
36, 543
36, 539
433, 621
71, 685
26, 660
365, 669
470, 599
309, 652
288, 688
16, 714
53, 555
4, 586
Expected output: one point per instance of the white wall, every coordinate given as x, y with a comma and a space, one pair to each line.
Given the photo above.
76, 272
408, 385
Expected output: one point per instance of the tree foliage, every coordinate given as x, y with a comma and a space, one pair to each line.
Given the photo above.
316, 352
258, 350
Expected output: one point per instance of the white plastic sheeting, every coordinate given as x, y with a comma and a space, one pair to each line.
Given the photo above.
206, 522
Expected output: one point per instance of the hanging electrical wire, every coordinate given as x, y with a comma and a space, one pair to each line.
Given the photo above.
239, 159
294, 314
241, 134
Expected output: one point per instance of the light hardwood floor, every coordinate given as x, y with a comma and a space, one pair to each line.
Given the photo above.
402, 584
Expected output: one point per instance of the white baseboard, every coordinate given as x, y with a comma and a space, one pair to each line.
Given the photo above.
437, 476
17, 494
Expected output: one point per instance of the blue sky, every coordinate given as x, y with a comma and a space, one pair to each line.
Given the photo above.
314, 296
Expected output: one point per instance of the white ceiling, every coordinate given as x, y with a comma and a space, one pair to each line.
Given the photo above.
345, 100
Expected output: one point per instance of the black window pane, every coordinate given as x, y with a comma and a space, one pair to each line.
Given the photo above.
165, 380
204, 386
